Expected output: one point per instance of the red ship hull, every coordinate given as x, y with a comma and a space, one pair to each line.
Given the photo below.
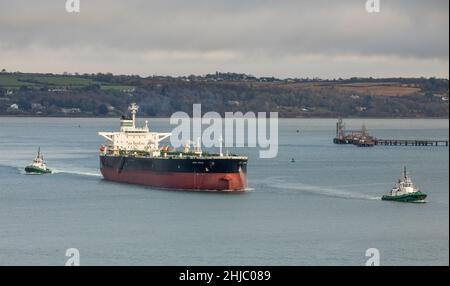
181, 181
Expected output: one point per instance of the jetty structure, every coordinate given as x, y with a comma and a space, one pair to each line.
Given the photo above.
362, 138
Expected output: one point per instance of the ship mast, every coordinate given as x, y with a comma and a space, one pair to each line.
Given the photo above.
133, 108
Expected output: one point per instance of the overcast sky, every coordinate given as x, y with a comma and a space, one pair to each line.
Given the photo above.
327, 39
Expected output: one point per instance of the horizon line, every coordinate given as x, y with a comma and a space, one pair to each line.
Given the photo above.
66, 73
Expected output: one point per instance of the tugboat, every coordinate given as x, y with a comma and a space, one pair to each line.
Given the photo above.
405, 191
38, 166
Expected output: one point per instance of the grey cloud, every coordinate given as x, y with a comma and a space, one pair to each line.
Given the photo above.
263, 30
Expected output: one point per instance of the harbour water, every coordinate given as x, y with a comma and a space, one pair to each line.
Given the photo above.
322, 209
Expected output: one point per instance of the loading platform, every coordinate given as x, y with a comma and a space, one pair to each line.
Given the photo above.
362, 138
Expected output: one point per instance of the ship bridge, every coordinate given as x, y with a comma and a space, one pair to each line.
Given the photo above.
132, 138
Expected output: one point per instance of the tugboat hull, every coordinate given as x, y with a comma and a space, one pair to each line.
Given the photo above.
417, 197
34, 170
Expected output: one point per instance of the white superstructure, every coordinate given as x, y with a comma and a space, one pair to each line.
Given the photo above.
132, 138
39, 162
404, 185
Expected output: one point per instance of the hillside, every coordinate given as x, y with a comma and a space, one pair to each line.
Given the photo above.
24, 94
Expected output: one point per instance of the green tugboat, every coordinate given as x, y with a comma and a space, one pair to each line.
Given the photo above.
38, 166
405, 191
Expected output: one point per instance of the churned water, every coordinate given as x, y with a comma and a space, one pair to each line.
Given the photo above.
323, 209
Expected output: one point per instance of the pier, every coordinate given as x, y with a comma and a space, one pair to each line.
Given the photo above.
362, 138
410, 142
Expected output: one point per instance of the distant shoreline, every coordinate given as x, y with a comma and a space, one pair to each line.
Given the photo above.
106, 95
163, 117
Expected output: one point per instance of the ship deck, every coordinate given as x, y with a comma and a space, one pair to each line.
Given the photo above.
177, 156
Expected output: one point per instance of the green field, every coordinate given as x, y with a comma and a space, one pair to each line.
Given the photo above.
9, 81
13, 81
115, 87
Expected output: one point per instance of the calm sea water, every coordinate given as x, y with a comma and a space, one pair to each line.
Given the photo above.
324, 209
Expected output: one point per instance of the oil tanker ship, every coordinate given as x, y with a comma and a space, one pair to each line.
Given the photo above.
133, 155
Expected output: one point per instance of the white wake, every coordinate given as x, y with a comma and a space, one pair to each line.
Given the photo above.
281, 185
